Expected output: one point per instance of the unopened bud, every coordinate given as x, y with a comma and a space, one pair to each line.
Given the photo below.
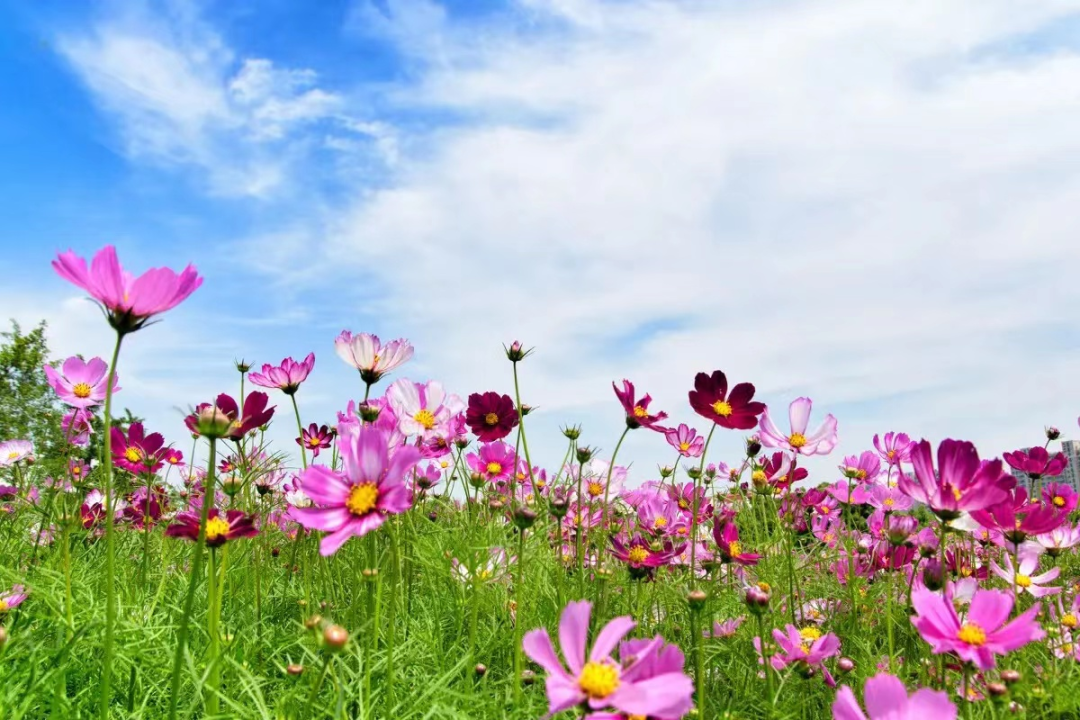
845, 664
753, 446
584, 454
696, 599
667, 471
231, 484
528, 677
1011, 676
572, 432
212, 423
693, 473
480, 670
242, 365
477, 480
313, 622
275, 551
1052, 433
758, 597
3, 636
294, 669
526, 409
996, 689
369, 413
335, 637
933, 576
516, 353
433, 516
524, 517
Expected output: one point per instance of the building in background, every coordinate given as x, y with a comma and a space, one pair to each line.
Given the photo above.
1070, 476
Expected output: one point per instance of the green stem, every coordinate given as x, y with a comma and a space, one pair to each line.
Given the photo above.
300, 427
213, 681
519, 622
694, 511
104, 694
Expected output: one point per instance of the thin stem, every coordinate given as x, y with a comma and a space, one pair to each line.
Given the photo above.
694, 511
300, 427
104, 695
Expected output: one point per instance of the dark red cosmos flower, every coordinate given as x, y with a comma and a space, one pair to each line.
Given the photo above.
255, 414
138, 452
735, 410
235, 524
491, 416
315, 438
637, 411
146, 508
1036, 462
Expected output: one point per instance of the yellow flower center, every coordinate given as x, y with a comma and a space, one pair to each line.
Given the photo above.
314, 442
596, 489
1058, 501
484, 574
796, 440
216, 527
3, 606
12, 455
640, 412
891, 453
77, 470
494, 468
426, 418
638, 554
861, 474
133, 454
362, 498
1069, 620
684, 446
660, 522
956, 494
491, 419
758, 476
972, 634
599, 679
722, 408
1023, 581
735, 549
81, 390
889, 502
683, 504
824, 509
810, 633
965, 571
764, 587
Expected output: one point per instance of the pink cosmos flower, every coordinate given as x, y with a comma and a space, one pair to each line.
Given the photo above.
982, 633
421, 409
254, 414
76, 427
137, 453
13, 451
594, 485
285, 377
820, 442
1061, 496
368, 355
641, 556
889, 499
894, 448
807, 648
315, 438
658, 516
220, 527
860, 494
357, 500
864, 467
1060, 538
12, 599
725, 629
1017, 518
887, 699
637, 411
1036, 462
81, 384
128, 302
685, 440
1023, 578
600, 681
964, 484
495, 462
726, 536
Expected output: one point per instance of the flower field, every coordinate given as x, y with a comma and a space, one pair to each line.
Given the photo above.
413, 560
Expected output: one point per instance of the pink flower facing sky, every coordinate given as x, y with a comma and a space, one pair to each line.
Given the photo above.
367, 354
637, 411
1023, 577
285, 377
982, 633
81, 384
819, 442
685, 440
13, 451
650, 684
963, 483
805, 647
129, 302
1036, 462
894, 448
358, 499
887, 699
422, 410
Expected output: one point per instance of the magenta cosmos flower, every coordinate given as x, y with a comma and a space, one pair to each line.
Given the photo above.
316, 438
219, 529
819, 442
1061, 496
726, 536
806, 648
128, 302
12, 599
894, 448
255, 414
491, 416
685, 440
138, 452
81, 384
1036, 462
982, 633
734, 411
637, 411
887, 699
76, 427
495, 462
368, 355
962, 483
285, 377
357, 500
598, 681
1017, 518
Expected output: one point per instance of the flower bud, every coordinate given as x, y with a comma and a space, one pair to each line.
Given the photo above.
3, 636
758, 597
845, 664
693, 473
524, 517
753, 446
313, 622
294, 669
996, 689
480, 670
933, 575
211, 422
516, 353
584, 454
433, 516
335, 637
231, 484
1052, 433
558, 507
275, 551
477, 480
526, 409
696, 599
369, 413
666, 471
1010, 676
242, 366
528, 677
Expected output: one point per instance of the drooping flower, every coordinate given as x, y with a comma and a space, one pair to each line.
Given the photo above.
894, 448
225, 413
13, 451
12, 599
637, 411
735, 410
137, 452
1022, 577
600, 681
887, 699
864, 467
820, 442
234, 524
129, 302
358, 499
420, 408
76, 426
685, 440
285, 377
982, 633
81, 384
726, 536
491, 416
965, 484
367, 354
316, 438
1036, 462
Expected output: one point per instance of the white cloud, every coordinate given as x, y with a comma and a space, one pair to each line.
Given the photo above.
868, 203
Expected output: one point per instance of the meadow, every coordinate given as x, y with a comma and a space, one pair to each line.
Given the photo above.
414, 561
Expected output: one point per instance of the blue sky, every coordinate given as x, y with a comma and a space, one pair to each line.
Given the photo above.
867, 203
